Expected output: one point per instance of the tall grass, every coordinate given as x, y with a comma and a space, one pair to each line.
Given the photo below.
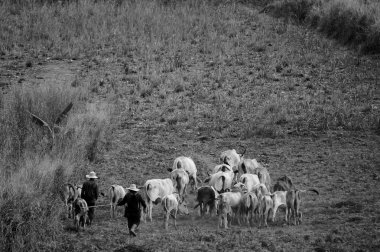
35, 166
351, 22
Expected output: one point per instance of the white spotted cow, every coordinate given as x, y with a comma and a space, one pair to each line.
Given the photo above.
155, 190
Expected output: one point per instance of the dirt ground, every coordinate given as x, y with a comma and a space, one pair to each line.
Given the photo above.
343, 165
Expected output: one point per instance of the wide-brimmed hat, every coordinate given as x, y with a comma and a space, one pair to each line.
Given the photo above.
133, 187
91, 175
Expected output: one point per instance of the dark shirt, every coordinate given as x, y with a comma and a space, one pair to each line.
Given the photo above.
90, 191
133, 203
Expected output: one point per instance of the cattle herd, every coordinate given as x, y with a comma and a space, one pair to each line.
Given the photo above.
238, 189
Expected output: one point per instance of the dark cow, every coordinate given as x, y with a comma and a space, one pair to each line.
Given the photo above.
284, 183
206, 197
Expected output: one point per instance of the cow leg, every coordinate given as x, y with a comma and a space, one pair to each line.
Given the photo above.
175, 218
286, 215
166, 220
150, 208
274, 213
112, 212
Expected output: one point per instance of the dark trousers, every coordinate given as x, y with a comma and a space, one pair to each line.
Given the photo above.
91, 210
133, 219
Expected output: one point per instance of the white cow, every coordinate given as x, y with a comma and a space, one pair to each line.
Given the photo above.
69, 195
232, 158
248, 165
229, 200
180, 180
250, 181
264, 177
249, 207
115, 193
221, 181
173, 204
223, 168
155, 190
188, 165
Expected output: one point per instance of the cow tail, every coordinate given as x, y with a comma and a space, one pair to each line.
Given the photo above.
243, 167
178, 181
223, 182
178, 164
113, 194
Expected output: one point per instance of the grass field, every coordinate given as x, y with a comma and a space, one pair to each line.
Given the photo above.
152, 80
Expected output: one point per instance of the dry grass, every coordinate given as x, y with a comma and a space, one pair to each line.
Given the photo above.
174, 73
351, 22
35, 166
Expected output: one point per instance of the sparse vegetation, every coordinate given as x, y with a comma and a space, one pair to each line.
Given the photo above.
351, 22
185, 78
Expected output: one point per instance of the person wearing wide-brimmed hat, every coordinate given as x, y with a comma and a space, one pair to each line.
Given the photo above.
133, 202
90, 194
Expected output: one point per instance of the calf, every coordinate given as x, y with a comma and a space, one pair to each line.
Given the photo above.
180, 180
115, 193
265, 203
80, 212
229, 200
188, 165
249, 207
225, 215
172, 204
155, 190
293, 203
69, 195
206, 197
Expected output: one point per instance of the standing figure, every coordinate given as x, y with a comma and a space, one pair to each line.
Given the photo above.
133, 202
90, 193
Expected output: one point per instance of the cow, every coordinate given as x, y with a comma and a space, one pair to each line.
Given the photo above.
155, 190
232, 158
230, 200
188, 165
265, 203
79, 189
115, 193
80, 213
263, 176
221, 181
206, 197
172, 205
248, 165
180, 180
249, 207
284, 183
225, 215
69, 195
293, 203
250, 181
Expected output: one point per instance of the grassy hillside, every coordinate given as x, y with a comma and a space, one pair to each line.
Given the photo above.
152, 80
355, 23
